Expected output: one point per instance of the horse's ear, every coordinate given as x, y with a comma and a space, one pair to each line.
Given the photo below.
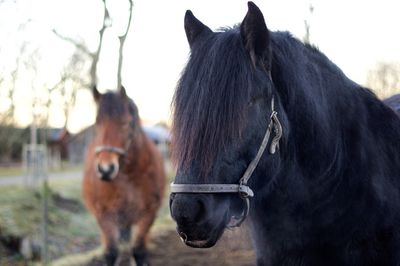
96, 93
255, 36
122, 92
194, 28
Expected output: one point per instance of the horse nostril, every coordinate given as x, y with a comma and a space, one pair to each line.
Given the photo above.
106, 169
111, 168
187, 210
100, 169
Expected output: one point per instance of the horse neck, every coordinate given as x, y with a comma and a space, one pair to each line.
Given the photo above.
340, 152
137, 142
138, 152
331, 121
312, 148
315, 97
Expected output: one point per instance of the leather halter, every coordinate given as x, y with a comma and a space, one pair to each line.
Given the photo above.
244, 191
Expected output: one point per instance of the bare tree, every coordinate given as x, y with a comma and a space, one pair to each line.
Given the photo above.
94, 56
71, 81
384, 79
9, 87
80, 71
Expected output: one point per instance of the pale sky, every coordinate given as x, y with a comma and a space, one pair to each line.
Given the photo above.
354, 34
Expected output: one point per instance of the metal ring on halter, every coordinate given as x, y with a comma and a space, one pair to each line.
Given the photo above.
243, 215
183, 237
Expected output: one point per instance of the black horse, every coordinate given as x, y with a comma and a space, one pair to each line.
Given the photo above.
329, 195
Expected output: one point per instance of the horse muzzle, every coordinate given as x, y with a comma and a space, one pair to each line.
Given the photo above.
199, 223
106, 171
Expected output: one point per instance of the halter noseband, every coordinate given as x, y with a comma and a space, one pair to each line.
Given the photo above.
113, 149
109, 148
244, 191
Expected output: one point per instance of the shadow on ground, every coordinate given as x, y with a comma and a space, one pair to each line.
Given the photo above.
167, 250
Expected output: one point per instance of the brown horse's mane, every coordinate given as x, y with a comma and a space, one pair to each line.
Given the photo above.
112, 106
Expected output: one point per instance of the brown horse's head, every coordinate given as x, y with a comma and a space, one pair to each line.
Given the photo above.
116, 121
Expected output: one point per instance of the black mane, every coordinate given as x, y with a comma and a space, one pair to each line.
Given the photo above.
206, 119
334, 119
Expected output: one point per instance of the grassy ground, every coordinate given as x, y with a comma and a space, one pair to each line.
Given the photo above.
72, 230
11, 171
18, 170
162, 223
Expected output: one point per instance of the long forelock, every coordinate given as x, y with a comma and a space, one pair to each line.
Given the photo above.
210, 101
111, 106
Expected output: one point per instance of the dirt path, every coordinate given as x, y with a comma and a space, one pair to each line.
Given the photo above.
167, 250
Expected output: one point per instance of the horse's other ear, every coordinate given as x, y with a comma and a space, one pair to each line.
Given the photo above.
96, 93
194, 28
255, 36
122, 92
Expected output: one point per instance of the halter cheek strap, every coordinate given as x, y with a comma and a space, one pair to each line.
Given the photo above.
244, 191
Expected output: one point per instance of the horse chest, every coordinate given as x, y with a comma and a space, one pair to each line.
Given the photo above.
116, 199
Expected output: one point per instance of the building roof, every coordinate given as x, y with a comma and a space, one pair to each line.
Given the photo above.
393, 102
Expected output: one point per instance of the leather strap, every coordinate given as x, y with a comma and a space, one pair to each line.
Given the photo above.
109, 148
212, 188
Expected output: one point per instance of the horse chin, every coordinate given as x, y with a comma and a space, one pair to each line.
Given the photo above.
206, 240
205, 243
201, 243
106, 178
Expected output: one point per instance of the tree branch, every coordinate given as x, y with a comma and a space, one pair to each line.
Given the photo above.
121, 46
77, 44
96, 55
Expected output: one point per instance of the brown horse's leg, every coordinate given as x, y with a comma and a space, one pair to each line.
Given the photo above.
109, 235
142, 228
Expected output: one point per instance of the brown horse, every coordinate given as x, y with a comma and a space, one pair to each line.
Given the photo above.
124, 175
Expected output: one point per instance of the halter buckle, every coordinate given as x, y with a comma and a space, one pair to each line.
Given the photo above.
245, 191
277, 128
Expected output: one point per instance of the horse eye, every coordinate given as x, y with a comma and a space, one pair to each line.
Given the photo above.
253, 100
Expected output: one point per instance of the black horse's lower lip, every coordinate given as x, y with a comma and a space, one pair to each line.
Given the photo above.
200, 243
206, 241
196, 243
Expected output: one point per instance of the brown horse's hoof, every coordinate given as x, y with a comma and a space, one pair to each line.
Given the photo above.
133, 263
140, 255
111, 256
